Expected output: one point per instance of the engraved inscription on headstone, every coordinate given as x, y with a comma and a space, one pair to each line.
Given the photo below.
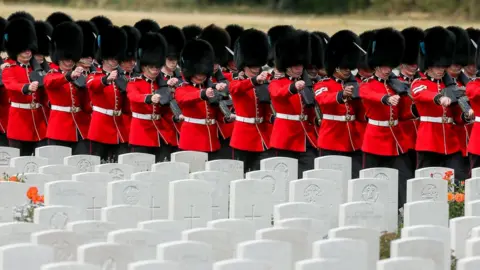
370, 193
436, 175
281, 167
109, 264
143, 165
62, 251
117, 174
59, 220
191, 217
84, 165
131, 195
382, 176
252, 216
30, 167
4, 159
270, 178
312, 192
338, 167
429, 192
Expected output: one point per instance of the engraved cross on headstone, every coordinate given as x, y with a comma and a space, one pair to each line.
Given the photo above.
252, 216
192, 217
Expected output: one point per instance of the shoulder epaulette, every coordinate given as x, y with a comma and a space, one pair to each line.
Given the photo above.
132, 79
368, 79
53, 70
7, 65
419, 79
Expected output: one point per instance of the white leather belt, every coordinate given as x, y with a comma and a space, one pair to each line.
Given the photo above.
146, 116
200, 121
292, 117
106, 111
477, 118
67, 109
340, 118
389, 123
440, 120
27, 106
249, 120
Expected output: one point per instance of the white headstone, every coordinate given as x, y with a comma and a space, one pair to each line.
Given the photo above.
125, 216
117, 171
91, 231
153, 265
315, 264
172, 170
190, 255
298, 239
60, 172
106, 255
140, 161
426, 213
24, 256
317, 229
472, 263
195, 160
17, 232
7, 172
128, 192
28, 164
57, 217
12, 195
96, 190
472, 208
158, 187
84, 163
421, 247
67, 193
144, 242
433, 172
69, 266
233, 167
391, 176
239, 264
38, 180
461, 230
369, 215
331, 175
220, 182
278, 184
54, 153
64, 243
287, 166
353, 252
6, 153
277, 254
220, 240
241, 230
167, 230
427, 189
298, 210
404, 263
339, 163
472, 189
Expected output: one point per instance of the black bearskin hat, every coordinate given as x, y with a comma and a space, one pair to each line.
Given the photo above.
101, 22
112, 43
175, 40
21, 14
191, 32
234, 31
386, 48
152, 50
251, 49
197, 58
365, 40
274, 34
67, 40
44, 35
219, 39
342, 51
133, 38
474, 35
293, 49
414, 38
462, 46
147, 25
324, 36
318, 51
439, 47
3, 24
57, 18
20, 36
90, 34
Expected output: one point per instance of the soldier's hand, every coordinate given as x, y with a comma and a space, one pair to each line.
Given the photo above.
156, 98
220, 86
77, 72
4, 65
348, 91
299, 85
445, 101
262, 77
393, 100
113, 75
241, 74
210, 93
232, 117
471, 114
181, 117
33, 86
172, 82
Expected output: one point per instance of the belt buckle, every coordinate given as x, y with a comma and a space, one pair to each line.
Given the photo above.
444, 119
117, 113
303, 117
155, 116
348, 117
258, 120
75, 109
208, 121
391, 122
33, 105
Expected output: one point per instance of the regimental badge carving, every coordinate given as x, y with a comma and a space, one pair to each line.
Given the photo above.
30, 167
312, 192
382, 176
84, 165
131, 195
117, 174
281, 167
370, 193
63, 251
4, 159
429, 192
59, 220
270, 178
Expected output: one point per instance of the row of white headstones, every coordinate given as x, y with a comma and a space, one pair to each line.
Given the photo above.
97, 213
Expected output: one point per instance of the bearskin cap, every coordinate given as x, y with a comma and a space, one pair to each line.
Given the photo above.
462, 46
57, 18
152, 50
234, 31
197, 58
191, 32
318, 51
90, 34
414, 37
324, 36
439, 47
20, 36
293, 49
342, 51
133, 38
219, 39
21, 14
112, 43
365, 40
386, 48
251, 49
175, 40
44, 34
101, 22
67, 40
147, 25
3, 24
474, 35
274, 34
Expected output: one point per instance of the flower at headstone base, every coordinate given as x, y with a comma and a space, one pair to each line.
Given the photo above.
12, 178
25, 212
456, 196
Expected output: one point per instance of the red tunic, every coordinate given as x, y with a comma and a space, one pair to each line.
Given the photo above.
293, 124
473, 94
384, 135
436, 132
409, 127
249, 135
4, 108
25, 124
67, 119
463, 132
224, 128
147, 127
126, 114
228, 75
338, 132
107, 124
198, 132
360, 112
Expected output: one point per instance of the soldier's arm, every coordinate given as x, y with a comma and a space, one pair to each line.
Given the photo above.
126, 106
473, 90
459, 116
421, 94
325, 96
54, 80
367, 94
96, 83
276, 89
135, 96
11, 84
185, 97
407, 109
237, 86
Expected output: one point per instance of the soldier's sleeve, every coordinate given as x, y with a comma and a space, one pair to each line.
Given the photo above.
367, 94
472, 90
96, 83
325, 96
276, 89
237, 86
407, 109
185, 97
135, 96
11, 83
54, 80
458, 115
421, 94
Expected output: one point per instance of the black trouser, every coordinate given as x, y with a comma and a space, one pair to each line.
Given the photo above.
453, 161
412, 156
357, 159
82, 147
251, 160
27, 148
467, 169
161, 153
225, 152
305, 159
474, 161
3, 139
402, 163
108, 153
124, 148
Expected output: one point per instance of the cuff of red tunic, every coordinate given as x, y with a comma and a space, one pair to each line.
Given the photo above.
104, 80
384, 100
254, 81
340, 99
68, 76
148, 99
414, 111
292, 89
203, 95
25, 90
437, 98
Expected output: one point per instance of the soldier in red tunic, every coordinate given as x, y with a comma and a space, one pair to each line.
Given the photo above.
100, 22
473, 94
293, 134
229, 69
4, 99
339, 133
437, 142
473, 64
107, 129
252, 128
324, 38
274, 34
385, 144
27, 124
68, 123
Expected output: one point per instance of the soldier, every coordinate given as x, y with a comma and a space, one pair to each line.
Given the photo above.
339, 133
57, 18
473, 94
198, 132
324, 38
21, 14
229, 68
472, 68
68, 124
147, 25
317, 64
44, 33
106, 88
4, 99
437, 142
90, 33
252, 128
27, 124
274, 34
191, 32
385, 144
100, 22
293, 135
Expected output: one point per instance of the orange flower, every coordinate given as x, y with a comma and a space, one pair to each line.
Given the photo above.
13, 179
459, 197
40, 199
450, 196
32, 192
462, 183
